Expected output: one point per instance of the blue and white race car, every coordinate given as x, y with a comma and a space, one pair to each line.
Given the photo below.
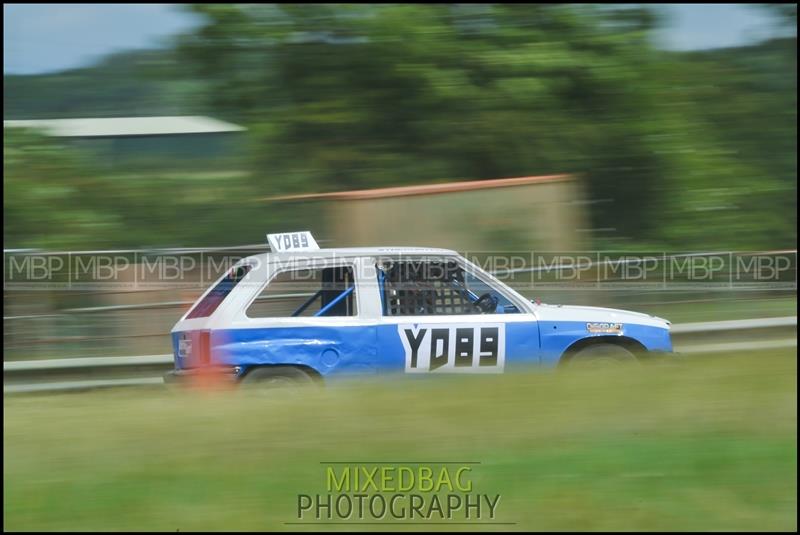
300, 313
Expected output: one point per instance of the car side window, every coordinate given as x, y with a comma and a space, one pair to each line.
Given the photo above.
477, 287
321, 292
435, 288
208, 304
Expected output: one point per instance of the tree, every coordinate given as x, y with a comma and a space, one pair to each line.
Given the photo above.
361, 96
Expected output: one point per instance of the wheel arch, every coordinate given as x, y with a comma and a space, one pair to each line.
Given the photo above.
308, 370
626, 342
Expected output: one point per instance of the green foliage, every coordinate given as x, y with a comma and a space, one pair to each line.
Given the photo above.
60, 198
746, 132
363, 96
677, 150
123, 85
51, 197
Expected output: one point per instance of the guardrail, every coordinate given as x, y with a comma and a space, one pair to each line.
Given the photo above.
262, 248
55, 375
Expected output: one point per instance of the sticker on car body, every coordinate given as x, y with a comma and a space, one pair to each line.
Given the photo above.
454, 348
184, 346
606, 328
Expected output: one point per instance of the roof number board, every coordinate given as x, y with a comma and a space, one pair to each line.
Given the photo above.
292, 241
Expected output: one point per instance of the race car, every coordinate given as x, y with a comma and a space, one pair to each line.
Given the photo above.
303, 314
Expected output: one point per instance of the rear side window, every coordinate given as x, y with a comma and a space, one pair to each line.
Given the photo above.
321, 292
217, 295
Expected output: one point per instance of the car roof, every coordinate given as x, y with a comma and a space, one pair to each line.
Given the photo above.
351, 252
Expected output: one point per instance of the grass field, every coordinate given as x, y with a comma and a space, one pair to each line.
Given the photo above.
720, 310
709, 445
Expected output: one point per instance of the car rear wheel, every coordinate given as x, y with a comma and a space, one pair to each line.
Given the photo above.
602, 355
277, 377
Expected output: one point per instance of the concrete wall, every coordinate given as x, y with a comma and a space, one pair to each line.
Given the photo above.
542, 216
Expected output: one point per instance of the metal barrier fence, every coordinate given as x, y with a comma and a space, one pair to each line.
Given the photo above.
106, 372
116, 321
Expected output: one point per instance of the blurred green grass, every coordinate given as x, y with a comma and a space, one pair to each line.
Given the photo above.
722, 309
682, 307
708, 445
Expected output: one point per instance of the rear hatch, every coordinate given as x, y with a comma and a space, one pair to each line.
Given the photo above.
191, 339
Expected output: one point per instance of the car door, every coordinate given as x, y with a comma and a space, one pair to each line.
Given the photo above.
430, 322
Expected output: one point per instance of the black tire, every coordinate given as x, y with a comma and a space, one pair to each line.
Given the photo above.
276, 377
602, 355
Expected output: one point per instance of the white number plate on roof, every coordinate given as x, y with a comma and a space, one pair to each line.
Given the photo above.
292, 241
